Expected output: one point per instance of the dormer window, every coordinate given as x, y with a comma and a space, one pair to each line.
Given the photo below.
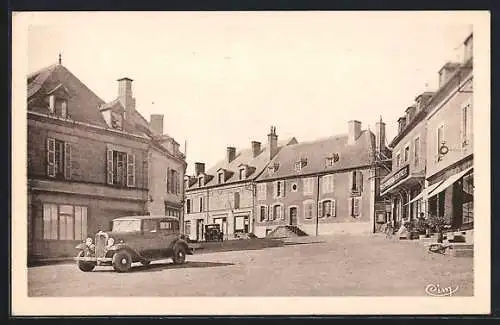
220, 177
273, 168
300, 163
200, 181
58, 106
243, 173
332, 159
116, 120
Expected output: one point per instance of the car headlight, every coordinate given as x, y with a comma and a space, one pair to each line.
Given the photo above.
111, 241
88, 241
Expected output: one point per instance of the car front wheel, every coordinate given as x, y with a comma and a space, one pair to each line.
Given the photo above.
122, 261
85, 266
179, 254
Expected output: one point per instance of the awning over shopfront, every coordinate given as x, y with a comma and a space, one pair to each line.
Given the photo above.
425, 192
449, 181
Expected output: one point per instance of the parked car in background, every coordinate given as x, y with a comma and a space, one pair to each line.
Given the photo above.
134, 239
213, 232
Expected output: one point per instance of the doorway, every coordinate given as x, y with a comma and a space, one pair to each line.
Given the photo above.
199, 229
293, 216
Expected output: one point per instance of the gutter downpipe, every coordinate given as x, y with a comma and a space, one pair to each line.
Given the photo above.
317, 205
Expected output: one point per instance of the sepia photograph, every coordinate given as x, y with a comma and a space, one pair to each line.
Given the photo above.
315, 162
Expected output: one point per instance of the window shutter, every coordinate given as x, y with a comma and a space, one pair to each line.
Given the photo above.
167, 180
359, 181
178, 184
282, 212
332, 183
283, 188
52, 104
51, 157
130, 170
333, 209
110, 167
67, 160
351, 183
271, 212
356, 206
275, 192
320, 209
350, 206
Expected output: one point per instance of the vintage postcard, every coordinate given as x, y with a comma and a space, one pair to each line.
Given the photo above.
250, 163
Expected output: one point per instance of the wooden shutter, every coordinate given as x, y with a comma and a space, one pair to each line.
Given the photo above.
283, 188
51, 157
320, 209
333, 209
350, 206
130, 170
178, 182
271, 213
275, 189
359, 180
167, 180
52, 103
67, 160
110, 166
351, 183
356, 206
282, 212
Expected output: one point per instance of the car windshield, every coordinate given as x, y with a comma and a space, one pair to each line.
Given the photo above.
126, 225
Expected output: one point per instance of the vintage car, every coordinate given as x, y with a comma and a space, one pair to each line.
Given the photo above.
213, 232
134, 239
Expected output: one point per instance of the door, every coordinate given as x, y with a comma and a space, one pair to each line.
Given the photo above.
151, 242
168, 233
199, 230
293, 216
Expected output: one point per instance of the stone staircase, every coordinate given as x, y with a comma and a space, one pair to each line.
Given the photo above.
286, 232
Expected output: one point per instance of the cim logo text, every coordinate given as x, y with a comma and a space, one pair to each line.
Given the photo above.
437, 291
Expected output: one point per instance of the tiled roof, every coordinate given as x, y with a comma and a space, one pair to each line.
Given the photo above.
243, 157
113, 104
316, 152
83, 104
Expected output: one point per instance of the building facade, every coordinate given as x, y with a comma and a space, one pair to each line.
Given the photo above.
88, 161
225, 193
449, 174
322, 187
407, 177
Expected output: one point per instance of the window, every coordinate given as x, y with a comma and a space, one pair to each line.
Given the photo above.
241, 224
236, 200
308, 209
200, 181
332, 159
263, 213
277, 212
468, 199
466, 123
354, 207
150, 225
166, 225
201, 204
308, 186
440, 137
294, 187
116, 120
62, 222
58, 159
261, 191
220, 178
398, 159
279, 189
58, 106
407, 153
187, 227
327, 209
298, 166
416, 151
121, 168
356, 181
188, 206
173, 181
242, 173
327, 184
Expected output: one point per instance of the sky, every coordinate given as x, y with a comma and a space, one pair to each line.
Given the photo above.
223, 78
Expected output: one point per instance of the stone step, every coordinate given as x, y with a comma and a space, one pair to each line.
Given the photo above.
461, 252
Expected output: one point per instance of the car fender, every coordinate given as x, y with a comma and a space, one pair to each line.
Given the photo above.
122, 246
183, 243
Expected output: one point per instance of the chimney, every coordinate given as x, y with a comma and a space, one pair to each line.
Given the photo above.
125, 96
230, 154
354, 131
272, 142
199, 168
380, 135
255, 148
447, 71
156, 124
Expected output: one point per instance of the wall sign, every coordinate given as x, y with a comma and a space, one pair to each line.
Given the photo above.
399, 175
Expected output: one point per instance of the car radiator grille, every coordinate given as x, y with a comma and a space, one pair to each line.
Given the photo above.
100, 245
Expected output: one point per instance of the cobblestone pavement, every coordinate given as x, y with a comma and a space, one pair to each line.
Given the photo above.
339, 266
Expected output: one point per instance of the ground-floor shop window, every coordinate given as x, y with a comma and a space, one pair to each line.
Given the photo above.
241, 224
187, 227
61, 222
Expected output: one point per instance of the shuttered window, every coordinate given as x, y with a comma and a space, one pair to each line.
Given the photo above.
62, 222
263, 213
354, 207
120, 168
58, 159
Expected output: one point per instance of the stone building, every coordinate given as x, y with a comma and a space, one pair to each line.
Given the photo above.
322, 187
90, 161
225, 193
